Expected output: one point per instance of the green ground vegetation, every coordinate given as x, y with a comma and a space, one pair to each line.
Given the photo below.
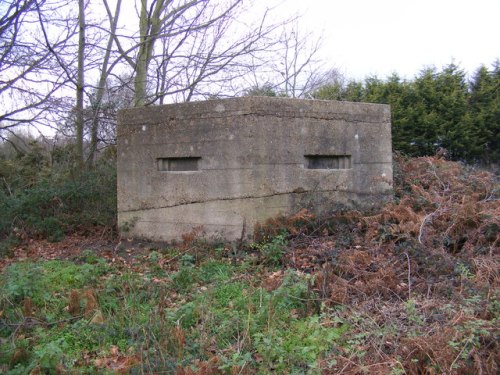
43, 194
412, 287
78, 314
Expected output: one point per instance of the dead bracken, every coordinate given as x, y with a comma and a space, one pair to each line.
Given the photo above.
412, 288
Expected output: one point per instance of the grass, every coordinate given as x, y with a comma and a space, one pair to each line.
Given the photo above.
91, 316
410, 289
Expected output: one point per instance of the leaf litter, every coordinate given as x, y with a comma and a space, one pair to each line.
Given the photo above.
417, 281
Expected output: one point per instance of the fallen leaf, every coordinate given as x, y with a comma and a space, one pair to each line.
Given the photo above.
98, 318
114, 350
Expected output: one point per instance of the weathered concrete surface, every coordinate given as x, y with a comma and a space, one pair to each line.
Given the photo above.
228, 164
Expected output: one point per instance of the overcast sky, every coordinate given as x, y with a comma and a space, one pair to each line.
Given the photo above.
366, 37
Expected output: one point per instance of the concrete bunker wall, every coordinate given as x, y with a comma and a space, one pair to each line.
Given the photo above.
225, 165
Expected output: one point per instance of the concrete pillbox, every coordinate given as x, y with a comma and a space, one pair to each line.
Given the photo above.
225, 165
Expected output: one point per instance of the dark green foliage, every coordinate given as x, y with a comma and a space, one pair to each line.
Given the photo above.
271, 253
7, 245
41, 195
484, 102
437, 109
265, 90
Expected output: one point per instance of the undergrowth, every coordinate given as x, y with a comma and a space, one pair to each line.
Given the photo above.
410, 289
90, 316
51, 204
418, 280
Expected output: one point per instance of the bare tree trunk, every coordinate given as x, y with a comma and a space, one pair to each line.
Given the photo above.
101, 86
149, 28
80, 83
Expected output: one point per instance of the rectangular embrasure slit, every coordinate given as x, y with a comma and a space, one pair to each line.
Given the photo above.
328, 161
179, 164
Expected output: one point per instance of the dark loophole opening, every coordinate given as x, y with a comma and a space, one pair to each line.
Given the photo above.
328, 161
179, 164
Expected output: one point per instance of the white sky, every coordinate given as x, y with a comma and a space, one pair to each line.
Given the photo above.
366, 37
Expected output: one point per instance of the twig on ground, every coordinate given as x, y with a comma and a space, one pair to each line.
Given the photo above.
409, 275
426, 218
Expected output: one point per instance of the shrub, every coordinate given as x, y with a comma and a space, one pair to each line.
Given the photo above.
271, 253
60, 202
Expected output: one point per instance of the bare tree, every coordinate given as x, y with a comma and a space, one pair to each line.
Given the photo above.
29, 79
80, 81
101, 107
208, 61
180, 50
83, 54
97, 100
104, 102
192, 48
293, 68
170, 20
